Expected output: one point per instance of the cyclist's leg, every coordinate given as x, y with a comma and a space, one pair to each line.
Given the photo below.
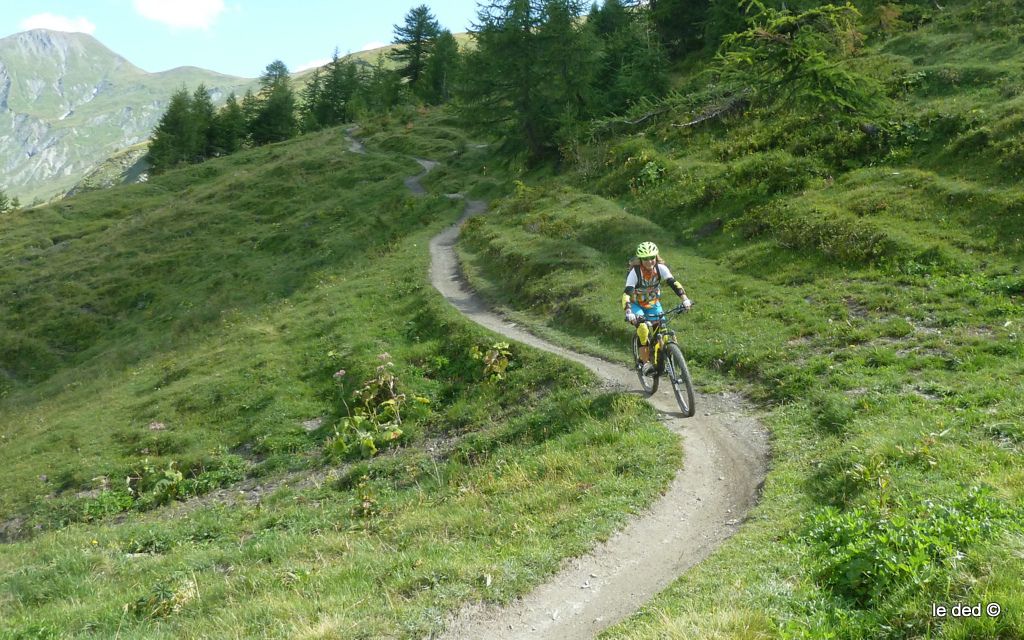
642, 330
654, 314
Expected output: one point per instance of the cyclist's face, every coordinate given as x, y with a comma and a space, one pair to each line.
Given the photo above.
648, 262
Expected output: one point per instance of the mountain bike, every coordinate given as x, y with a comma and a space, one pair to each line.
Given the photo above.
667, 359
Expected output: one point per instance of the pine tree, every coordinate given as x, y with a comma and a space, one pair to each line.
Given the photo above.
5, 202
442, 66
723, 17
415, 42
228, 127
274, 118
570, 55
610, 18
383, 89
680, 23
799, 58
528, 77
202, 113
174, 138
343, 88
633, 61
311, 112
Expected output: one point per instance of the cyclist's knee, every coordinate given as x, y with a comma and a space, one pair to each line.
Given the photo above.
643, 332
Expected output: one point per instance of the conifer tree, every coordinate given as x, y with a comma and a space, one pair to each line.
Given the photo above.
341, 84
610, 18
202, 114
274, 119
442, 67
723, 18
528, 75
569, 55
633, 61
228, 127
680, 23
313, 103
415, 40
798, 58
250, 108
174, 139
383, 89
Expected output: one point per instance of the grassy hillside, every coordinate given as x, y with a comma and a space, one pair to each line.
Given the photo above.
866, 288
184, 459
182, 465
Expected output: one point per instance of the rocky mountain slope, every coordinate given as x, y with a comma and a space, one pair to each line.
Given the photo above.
68, 103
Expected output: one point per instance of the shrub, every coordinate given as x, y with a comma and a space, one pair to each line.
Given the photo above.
871, 554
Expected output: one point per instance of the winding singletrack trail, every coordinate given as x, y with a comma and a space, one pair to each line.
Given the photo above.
725, 462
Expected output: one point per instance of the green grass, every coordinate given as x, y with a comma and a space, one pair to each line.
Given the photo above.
864, 292
868, 294
178, 458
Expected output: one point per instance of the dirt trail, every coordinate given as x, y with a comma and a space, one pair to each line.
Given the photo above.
726, 453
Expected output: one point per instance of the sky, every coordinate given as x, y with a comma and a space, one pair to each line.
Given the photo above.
235, 37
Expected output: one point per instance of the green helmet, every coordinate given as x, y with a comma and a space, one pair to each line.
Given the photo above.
647, 250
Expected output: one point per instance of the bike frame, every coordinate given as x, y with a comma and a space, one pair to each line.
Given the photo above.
662, 334
666, 357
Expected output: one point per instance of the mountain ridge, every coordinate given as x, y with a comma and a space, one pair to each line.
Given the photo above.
67, 103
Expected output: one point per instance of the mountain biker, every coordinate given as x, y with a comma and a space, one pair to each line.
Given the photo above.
641, 299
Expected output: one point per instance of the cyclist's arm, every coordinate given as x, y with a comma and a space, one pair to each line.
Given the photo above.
630, 283
666, 275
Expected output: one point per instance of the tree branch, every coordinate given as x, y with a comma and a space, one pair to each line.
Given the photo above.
732, 105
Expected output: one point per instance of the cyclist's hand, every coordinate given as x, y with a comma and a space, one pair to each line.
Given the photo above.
687, 303
630, 317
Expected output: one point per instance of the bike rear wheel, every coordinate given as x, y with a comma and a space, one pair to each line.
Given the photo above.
648, 383
679, 375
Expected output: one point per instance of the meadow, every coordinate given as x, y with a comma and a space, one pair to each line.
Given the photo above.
234, 407
186, 459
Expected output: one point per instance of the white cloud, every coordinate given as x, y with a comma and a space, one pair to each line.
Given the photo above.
309, 65
184, 14
373, 45
57, 23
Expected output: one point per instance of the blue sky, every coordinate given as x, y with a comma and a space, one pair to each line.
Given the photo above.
236, 37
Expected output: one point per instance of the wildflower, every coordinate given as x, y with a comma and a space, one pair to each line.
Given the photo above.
384, 357
339, 374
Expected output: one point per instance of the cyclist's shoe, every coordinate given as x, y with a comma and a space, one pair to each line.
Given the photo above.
648, 369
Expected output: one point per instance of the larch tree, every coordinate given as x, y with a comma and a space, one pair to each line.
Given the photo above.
527, 76
442, 67
274, 119
174, 138
415, 42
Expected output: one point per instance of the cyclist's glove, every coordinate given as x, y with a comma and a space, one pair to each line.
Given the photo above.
687, 303
630, 317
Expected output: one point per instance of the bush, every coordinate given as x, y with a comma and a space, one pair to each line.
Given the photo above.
633, 167
872, 554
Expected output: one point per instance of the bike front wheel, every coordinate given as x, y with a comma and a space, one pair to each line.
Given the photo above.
648, 383
679, 375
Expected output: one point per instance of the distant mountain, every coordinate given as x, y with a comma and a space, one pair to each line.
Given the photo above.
67, 104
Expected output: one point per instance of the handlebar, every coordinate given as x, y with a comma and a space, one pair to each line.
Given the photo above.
679, 308
676, 310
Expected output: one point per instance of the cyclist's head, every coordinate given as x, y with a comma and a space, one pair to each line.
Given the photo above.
647, 250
